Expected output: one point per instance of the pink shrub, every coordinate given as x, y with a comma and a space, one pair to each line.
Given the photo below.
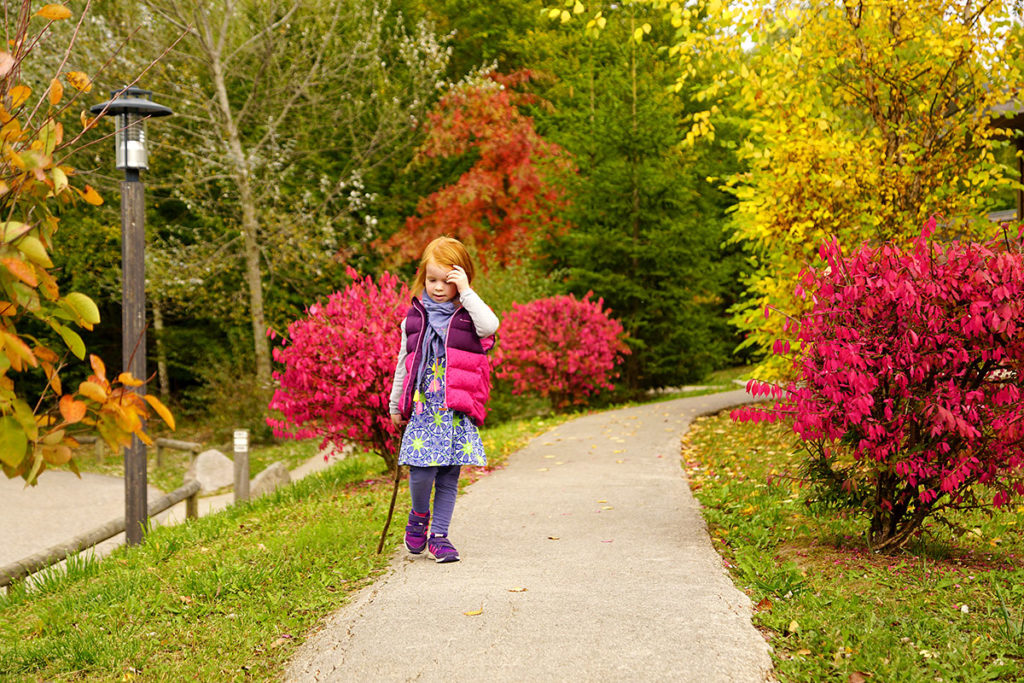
339, 362
560, 347
909, 380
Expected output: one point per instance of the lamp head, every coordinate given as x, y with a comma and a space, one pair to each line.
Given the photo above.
131, 107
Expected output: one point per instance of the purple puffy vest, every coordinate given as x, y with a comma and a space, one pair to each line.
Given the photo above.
467, 370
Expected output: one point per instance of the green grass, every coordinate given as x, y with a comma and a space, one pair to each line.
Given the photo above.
951, 608
225, 597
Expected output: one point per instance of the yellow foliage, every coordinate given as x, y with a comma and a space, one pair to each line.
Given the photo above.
54, 12
866, 118
79, 81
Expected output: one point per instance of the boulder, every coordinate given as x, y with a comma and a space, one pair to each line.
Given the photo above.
269, 480
213, 470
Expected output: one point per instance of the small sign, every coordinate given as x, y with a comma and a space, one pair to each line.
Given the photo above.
241, 441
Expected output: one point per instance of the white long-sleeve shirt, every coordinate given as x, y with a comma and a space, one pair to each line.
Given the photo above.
485, 323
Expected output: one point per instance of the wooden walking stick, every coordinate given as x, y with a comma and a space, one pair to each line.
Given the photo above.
391, 508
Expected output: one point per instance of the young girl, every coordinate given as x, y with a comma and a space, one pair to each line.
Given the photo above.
442, 383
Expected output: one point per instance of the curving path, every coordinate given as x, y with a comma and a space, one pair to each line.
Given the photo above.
585, 559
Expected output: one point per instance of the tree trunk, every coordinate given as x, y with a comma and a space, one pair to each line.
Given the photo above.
161, 351
250, 223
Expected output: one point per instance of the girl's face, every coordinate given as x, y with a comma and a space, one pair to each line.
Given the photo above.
436, 283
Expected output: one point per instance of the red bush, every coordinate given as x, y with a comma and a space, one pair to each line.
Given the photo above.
911, 371
339, 362
560, 347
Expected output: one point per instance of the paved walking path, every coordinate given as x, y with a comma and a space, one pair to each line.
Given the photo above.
585, 559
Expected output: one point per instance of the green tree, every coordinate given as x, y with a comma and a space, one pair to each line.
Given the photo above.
646, 229
487, 35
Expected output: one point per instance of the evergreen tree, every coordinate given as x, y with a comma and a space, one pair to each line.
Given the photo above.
646, 229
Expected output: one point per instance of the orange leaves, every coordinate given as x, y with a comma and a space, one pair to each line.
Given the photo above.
96, 363
507, 196
127, 379
79, 81
56, 92
18, 94
18, 353
91, 196
71, 410
161, 410
37, 408
54, 12
94, 391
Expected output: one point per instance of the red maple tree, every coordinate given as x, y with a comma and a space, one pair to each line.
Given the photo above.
509, 194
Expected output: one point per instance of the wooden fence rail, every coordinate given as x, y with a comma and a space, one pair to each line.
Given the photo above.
41, 560
160, 443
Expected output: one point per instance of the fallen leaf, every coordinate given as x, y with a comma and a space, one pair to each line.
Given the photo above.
793, 626
622, 461
602, 501
607, 507
285, 637
553, 538
475, 612
857, 677
608, 541
764, 606
549, 456
517, 590
542, 469
803, 652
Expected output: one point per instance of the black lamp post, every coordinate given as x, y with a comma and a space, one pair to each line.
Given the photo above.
131, 107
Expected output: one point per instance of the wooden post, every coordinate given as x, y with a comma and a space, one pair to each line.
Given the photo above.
133, 339
241, 465
192, 506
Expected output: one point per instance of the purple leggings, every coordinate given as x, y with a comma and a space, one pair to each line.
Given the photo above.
445, 482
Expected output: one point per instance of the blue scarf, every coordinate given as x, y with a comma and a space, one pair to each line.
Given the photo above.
439, 316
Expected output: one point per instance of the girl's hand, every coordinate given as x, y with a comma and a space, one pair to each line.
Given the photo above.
457, 276
397, 420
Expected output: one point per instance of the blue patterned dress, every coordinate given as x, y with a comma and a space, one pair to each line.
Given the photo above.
435, 435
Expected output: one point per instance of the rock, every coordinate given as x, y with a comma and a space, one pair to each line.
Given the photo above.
269, 480
213, 470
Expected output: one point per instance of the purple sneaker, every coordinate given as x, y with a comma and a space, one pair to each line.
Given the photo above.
441, 549
416, 533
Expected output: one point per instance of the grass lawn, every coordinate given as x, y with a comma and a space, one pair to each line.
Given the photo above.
225, 597
949, 608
